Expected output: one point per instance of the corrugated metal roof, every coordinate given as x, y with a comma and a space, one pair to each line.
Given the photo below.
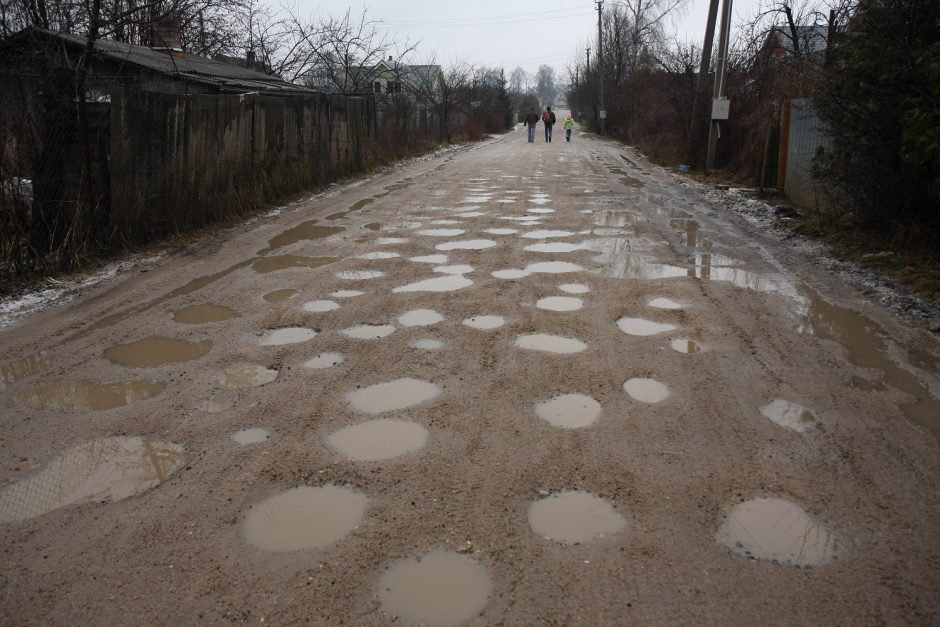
182, 64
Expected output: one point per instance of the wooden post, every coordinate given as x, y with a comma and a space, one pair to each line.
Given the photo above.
784, 145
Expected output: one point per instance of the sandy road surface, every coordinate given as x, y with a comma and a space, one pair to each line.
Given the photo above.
533, 486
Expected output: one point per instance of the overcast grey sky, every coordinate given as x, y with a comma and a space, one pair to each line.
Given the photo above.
504, 34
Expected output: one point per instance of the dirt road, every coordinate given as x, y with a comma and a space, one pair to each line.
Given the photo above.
513, 384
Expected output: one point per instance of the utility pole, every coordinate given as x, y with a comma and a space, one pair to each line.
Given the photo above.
702, 77
720, 104
602, 114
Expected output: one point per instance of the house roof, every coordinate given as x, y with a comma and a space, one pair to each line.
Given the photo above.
179, 64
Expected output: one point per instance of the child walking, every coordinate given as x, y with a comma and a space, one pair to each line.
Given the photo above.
569, 124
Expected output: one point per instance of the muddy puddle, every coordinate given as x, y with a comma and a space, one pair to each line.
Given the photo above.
435, 259
447, 283
320, 306
440, 588
308, 230
777, 530
106, 469
359, 275
548, 343
420, 318
442, 232
646, 390
574, 288
559, 303
471, 244
569, 411
242, 376
253, 435
287, 335
543, 267
378, 255
66, 395
369, 331
218, 404
546, 234
789, 415
390, 241
373, 226
664, 303
554, 247
501, 231
447, 222
863, 339
426, 344
13, 371
484, 322
283, 262
156, 351
392, 395
279, 296
642, 326
684, 345
202, 314
346, 293
378, 439
304, 518
324, 360
574, 517
459, 268
542, 210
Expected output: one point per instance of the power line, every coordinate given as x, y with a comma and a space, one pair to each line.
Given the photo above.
527, 20
486, 18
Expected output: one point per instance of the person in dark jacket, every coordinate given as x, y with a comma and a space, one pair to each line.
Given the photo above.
531, 119
548, 118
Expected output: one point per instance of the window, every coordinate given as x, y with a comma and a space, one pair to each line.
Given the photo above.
377, 87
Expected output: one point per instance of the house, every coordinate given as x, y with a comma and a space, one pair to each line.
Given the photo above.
421, 83
810, 43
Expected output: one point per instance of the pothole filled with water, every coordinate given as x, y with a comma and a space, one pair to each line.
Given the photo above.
426, 344
378, 439
574, 517
420, 318
569, 411
377, 255
554, 247
369, 331
346, 293
156, 351
218, 404
389, 241
287, 335
106, 469
359, 275
440, 588
86, 395
254, 435
664, 303
13, 371
500, 231
283, 262
789, 415
546, 234
472, 244
646, 390
320, 306
447, 283
461, 268
574, 288
778, 530
484, 322
560, 303
201, 314
392, 395
684, 345
442, 232
643, 327
304, 231
241, 376
550, 343
279, 296
436, 259
305, 518
324, 360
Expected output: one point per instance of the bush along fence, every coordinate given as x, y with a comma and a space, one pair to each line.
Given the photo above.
88, 178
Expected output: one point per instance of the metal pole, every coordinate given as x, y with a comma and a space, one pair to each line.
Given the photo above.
600, 67
714, 131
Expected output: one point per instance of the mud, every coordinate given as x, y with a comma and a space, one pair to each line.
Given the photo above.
65, 395
156, 351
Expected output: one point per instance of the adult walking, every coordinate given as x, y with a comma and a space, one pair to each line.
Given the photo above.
531, 120
548, 118
569, 124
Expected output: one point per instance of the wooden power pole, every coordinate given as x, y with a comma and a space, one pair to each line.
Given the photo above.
602, 113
